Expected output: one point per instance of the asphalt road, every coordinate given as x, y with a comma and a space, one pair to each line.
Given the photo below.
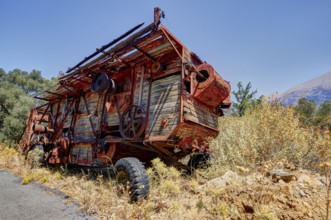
34, 201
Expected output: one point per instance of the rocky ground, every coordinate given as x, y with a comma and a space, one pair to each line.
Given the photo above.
268, 192
276, 194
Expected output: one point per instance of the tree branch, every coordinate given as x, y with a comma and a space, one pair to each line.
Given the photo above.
5, 109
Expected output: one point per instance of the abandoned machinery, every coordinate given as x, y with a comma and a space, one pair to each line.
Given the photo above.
143, 95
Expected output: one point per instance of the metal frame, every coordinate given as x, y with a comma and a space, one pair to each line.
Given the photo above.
120, 60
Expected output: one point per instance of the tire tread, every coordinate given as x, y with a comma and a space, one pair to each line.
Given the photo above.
139, 182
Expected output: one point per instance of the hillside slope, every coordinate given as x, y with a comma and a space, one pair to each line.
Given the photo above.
317, 89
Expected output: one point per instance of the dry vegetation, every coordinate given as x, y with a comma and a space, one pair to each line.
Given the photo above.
272, 133
235, 186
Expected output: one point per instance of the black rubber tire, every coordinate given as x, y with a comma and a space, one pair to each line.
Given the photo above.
198, 160
136, 175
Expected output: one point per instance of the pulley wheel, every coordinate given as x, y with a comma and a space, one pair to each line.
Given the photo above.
133, 122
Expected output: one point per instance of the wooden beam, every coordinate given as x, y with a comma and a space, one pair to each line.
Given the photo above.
143, 52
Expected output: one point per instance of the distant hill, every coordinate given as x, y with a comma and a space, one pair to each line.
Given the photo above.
317, 89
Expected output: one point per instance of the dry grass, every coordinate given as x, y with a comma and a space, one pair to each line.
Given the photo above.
101, 198
271, 136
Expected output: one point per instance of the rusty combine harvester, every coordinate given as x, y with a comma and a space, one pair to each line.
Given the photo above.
143, 95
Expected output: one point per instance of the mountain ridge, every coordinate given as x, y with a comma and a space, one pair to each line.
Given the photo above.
317, 90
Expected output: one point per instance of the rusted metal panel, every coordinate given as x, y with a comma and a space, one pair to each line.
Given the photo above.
61, 110
209, 82
38, 117
83, 129
105, 156
115, 106
165, 95
195, 112
91, 112
82, 154
92, 100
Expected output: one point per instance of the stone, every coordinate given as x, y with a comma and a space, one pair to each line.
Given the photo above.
219, 182
249, 180
281, 181
304, 178
302, 193
321, 181
228, 178
281, 175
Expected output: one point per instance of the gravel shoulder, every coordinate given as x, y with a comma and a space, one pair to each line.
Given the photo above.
34, 201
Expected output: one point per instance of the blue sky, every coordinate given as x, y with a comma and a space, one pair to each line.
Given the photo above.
274, 44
